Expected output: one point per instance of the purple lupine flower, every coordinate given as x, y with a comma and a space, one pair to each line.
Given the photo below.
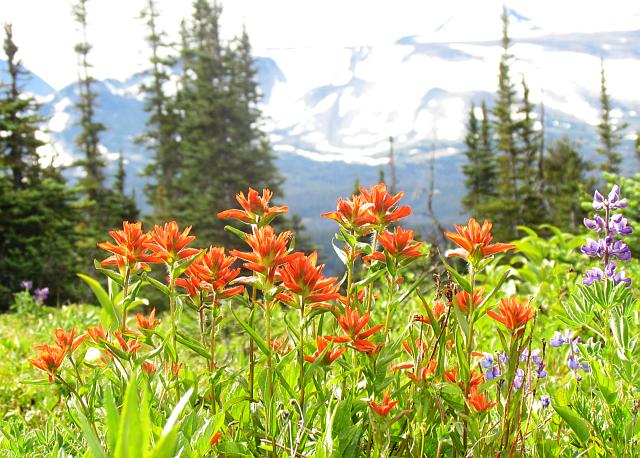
40, 295
492, 372
573, 362
594, 249
26, 284
620, 250
524, 355
535, 355
504, 359
540, 369
593, 275
546, 401
613, 199
557, 340
596, 224
487, 361
518, 379
619, 225
598, 201
616, 277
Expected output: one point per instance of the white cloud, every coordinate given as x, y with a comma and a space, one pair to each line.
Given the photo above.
46, 33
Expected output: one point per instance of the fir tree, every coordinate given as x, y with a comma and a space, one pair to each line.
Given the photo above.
531, 207
88, 140
222, 145
508, 153
610, 135
37, 231
480, 169
19, 119
162, 123
565, 180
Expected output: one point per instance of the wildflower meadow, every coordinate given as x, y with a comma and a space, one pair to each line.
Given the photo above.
486, 349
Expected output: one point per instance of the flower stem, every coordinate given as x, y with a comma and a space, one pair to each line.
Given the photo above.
212, 349
387, 323
301, 357
467, 382
252, 349
269, 398
125, 293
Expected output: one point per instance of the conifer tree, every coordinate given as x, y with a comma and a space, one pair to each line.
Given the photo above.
480, 169
610, 135
37, 230
222, 145
566, 181
88, 140
508, 153
19, 119
162, 124
531, 206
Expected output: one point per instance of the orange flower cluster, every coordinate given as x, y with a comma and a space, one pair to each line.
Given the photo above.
255, 209
329, 355
269, 251
478, 401
398, 244
475, 242
352, 323
211, 274
514, 314
132, 248
371, 209
51, 358
304, 281
386, 406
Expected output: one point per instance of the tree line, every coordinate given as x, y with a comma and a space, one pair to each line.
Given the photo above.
204, 131
512, 176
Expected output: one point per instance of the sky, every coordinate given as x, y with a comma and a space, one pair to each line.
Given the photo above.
46, 33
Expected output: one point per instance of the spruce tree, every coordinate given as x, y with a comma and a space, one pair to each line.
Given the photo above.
610, 135
92, 184
222, 145
37, 230
480, 169
566, 181
19, 119
531, 207
508, 153
162, 124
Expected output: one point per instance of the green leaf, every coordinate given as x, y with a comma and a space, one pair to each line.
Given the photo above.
155, 283
165, 447
92, 441
103, 298
112, 417
459, 279
130, 443
237, 232
194, 345
258, 340
575, 422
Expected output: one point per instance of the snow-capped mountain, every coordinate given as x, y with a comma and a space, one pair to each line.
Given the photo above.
330, 111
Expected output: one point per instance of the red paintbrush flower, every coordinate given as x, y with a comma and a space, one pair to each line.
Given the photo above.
475, 381
148, 367
169, 244
215, 438
386, 406
398, 244
475, 242
131, 346
97, 334
352, 324
478, 401
383, 205
514, 314
131, 249
437, 311
147, 323
367, 347
269, 251
280, 346
418, 374
304, 281
463, 299
49, 360
212, 274
66, 341
331, 354
354, 215
255, 209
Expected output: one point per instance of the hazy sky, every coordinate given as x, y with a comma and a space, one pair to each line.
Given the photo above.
46, 33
